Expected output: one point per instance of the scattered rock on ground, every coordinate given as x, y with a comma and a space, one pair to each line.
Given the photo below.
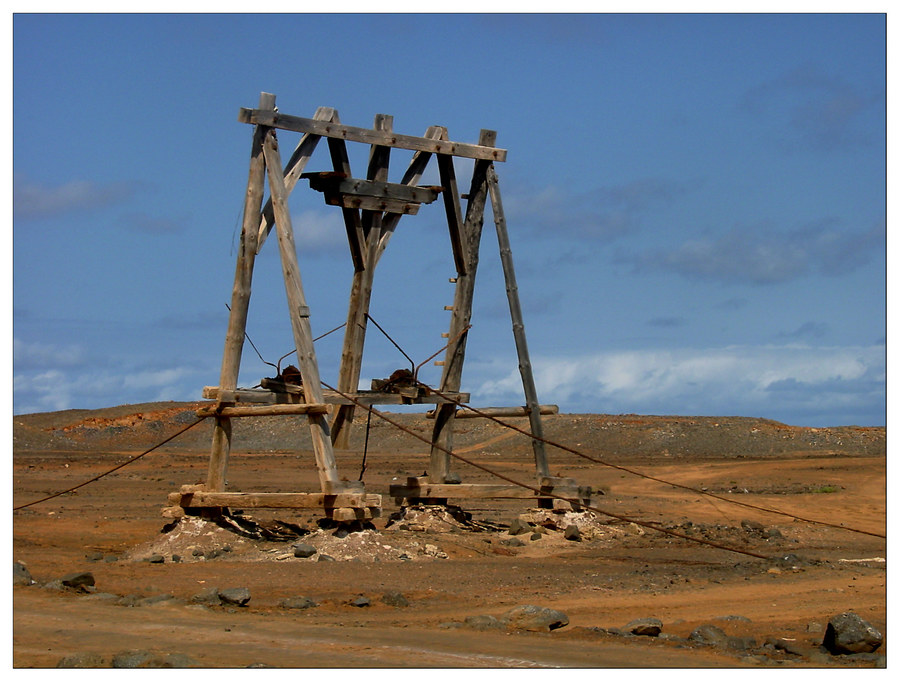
753, 526
709, 634
304, 551
395, 599
573, 533
534, 618
209, 596
360, 602
847, 633
78, 581
82, 660
156, 599
518, 527
147, 659
791, 646
237, 596
647, 627
297, 603
483, 622
21, 576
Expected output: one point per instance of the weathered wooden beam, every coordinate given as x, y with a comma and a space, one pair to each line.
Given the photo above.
451, 377
240, 300
272, 500
413, 174
392, 206
352, 221
361, 291
275, 119
518, 326
454, 215
299, 315
262, 397
484, 490
293, 171
465, 413
334, 183
262, 410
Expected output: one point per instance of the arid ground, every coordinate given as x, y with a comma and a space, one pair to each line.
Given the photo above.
428, 578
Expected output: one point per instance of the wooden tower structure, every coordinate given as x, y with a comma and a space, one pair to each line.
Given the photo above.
371, 208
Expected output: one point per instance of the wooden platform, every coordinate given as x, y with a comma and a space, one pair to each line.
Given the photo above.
346, 506
419, 489
266, 397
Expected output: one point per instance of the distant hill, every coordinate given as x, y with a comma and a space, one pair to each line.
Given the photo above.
133, 428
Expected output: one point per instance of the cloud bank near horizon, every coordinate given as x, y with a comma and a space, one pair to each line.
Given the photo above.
799, 384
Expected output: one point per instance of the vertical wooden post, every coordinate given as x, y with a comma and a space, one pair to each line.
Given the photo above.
515, 311
240, 301
293, 170
299, 313
361, 294
451, 378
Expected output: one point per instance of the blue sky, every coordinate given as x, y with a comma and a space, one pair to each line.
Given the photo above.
696, 204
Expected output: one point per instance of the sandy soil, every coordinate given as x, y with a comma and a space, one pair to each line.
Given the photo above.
449, 568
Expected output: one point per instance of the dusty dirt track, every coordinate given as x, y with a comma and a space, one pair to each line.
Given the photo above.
447, 571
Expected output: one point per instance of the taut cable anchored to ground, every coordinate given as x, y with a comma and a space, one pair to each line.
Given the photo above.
116, 468
633, 472
538, 491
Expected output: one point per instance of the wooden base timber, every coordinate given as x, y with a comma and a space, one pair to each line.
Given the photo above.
418, 490
345, 506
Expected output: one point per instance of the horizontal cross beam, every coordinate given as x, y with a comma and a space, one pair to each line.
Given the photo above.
297, 124
336, 183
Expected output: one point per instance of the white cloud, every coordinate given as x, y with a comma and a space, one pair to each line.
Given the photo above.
153, 378
761, 254
33, 200
318, 231
778, 382
66, 388
43, 355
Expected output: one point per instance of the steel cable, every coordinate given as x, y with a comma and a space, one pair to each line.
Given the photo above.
538, 491
643, 475
116, 468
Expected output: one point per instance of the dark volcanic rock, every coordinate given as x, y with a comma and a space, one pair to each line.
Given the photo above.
483, 622
209, 596
238, 596
573, 533
21, 576
304, 551
647, 627
360, 602
395, 599
297, 603
82, 660
847, 633
518, 527
78, 580
709, 634
534, 618
791, 646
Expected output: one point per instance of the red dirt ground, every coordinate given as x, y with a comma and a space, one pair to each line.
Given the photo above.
448, 571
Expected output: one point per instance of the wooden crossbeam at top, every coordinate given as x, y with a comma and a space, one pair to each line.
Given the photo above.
297, 124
